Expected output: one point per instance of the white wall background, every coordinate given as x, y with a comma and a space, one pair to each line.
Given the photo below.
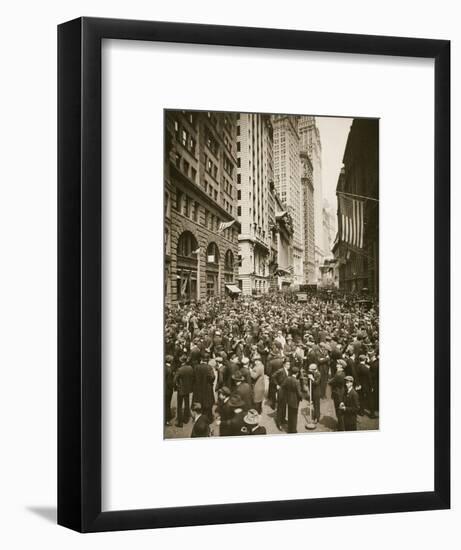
28, 271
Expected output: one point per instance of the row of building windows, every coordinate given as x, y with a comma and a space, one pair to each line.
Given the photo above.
191, 209
185, 167
184, 137
227, 206
210, 167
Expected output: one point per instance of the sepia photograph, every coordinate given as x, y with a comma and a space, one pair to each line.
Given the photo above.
271, 274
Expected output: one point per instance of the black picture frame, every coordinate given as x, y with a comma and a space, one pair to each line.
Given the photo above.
79, 274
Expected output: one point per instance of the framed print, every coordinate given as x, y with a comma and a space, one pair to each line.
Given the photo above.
251, 223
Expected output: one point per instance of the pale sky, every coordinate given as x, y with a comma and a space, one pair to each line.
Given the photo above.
333, 136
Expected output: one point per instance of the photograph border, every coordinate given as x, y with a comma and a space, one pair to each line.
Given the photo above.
79, 274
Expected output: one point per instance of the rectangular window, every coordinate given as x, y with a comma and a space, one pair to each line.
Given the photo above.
239, 195
184, 138
178, 201
239, 210
185, 167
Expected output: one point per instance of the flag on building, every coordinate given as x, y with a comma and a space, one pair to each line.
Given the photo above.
225, 225
351, 221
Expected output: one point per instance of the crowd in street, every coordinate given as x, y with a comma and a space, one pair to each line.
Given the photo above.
224, 358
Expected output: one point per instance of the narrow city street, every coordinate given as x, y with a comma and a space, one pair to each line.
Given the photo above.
327, 420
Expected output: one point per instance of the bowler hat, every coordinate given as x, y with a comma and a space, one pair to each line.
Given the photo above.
238, 376
225, 391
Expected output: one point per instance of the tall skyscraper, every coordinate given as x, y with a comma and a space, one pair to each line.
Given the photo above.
307, 180
254, 177
310, 142
287, 178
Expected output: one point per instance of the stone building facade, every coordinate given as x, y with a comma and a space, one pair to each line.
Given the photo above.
309, 221
287, 178
254, 180
200, 184
359, 179
309, 136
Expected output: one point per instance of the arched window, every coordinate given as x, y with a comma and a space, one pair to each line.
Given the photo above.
212, 254
187, 244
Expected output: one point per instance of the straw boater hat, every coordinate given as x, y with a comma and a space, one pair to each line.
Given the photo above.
312, 367
348, 379
252, 417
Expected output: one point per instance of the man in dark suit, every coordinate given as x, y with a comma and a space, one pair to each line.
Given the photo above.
223, 409
350, 406
292, 395
314, 378
169, 388
203, 386
201, 427
279, 378
337, 392
234, 425
184, 382
364, 386
243, 389
274, 363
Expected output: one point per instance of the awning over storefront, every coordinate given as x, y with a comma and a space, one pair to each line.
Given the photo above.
234, 289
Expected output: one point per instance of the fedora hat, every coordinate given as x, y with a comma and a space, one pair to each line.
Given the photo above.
235, 401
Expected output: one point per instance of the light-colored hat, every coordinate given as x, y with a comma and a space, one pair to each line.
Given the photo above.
252, 417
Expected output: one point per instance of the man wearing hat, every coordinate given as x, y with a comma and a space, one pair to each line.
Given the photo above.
350, 406
314, 377
337, 392
279, 378
184, 382
232, 367
274, 363
169, 388
292, 394
364, 387
243, 389
234, 425
223, 410
257, 376
323, 362
251, 424
204, 376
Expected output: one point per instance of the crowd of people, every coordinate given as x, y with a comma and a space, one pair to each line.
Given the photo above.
224, 358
